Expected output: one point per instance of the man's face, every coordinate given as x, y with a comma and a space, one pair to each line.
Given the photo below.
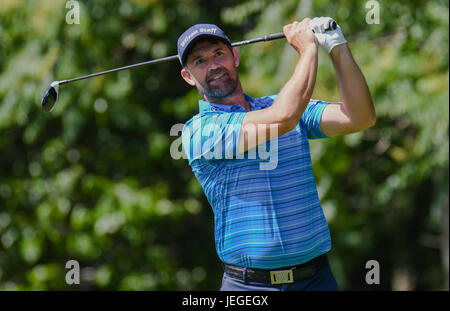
211, 67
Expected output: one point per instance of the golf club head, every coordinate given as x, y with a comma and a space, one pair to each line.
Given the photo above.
50, 97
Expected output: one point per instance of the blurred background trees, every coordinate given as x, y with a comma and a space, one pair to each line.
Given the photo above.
94, 180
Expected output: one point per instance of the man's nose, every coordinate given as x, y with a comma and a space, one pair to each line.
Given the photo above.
213, 64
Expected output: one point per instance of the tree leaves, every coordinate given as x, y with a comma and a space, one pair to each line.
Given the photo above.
94, 180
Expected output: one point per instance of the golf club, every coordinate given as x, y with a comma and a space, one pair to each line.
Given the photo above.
51, 95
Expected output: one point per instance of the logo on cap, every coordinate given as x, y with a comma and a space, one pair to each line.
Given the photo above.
195, 31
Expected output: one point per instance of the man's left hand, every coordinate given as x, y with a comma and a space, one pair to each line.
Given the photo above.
327, 39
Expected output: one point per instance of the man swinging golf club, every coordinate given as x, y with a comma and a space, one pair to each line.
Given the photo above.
270, 230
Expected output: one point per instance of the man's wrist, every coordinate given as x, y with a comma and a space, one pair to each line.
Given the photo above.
339, 51
310, 49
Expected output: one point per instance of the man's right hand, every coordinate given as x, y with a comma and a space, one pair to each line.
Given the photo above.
300, 35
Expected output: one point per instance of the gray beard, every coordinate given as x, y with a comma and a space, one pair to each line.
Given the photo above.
218, 92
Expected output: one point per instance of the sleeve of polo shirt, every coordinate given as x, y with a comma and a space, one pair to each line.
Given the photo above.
212, 135
311, 119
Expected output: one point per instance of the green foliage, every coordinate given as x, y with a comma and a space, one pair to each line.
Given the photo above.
94, 180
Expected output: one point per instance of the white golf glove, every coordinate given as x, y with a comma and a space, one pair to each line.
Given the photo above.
327, 39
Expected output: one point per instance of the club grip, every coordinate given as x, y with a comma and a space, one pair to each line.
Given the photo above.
279, 35
274, 36
333, 25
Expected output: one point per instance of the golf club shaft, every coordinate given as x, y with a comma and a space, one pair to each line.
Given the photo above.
270, 37
169, 58
159, 60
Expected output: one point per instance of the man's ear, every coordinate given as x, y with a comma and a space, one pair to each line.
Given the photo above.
236, 57
187, 77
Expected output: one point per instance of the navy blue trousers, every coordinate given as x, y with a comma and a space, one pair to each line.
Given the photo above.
322, 280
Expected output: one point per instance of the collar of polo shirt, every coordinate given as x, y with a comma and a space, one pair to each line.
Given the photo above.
207, 106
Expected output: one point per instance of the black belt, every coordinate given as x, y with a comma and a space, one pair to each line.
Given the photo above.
278, 276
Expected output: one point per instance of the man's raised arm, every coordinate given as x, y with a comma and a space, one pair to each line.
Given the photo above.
291, 102
356, 112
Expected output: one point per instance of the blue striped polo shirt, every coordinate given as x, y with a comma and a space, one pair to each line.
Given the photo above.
264, 217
